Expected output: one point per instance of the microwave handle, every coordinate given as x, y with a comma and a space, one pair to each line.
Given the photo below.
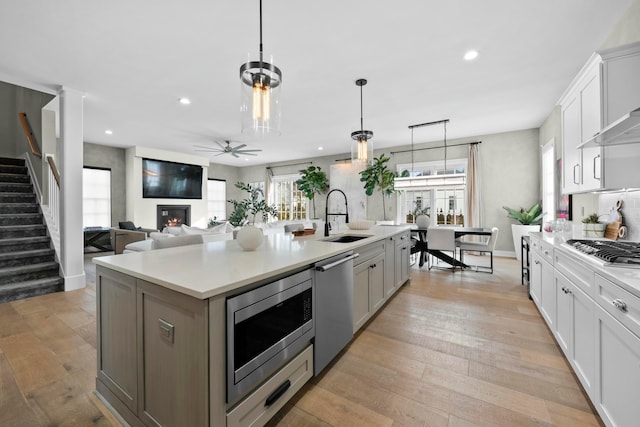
337, 263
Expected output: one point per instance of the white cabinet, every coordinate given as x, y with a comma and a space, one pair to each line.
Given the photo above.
368, 282
542, 285
574, 329
618, 371
402, 264
607, 87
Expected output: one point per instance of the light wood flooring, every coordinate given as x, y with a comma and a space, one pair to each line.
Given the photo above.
450, 349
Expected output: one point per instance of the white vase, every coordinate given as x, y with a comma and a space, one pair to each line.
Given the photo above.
422, 221
249, 237
519, 230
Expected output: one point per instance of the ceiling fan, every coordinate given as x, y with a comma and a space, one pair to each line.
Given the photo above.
227, 149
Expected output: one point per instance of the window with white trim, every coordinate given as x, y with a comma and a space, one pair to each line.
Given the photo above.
548, 181
289, 200
216, 199
96, 197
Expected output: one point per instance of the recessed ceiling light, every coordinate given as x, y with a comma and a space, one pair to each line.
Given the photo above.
320, 148
246, 159
108, 132
184, 101
471, 55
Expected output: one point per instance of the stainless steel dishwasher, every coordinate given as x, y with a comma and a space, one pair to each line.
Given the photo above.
334, 308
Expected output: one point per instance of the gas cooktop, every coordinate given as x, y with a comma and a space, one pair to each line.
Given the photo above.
614, 252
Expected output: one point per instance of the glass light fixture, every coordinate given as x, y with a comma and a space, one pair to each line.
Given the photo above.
260, 84
361, 148
446, 180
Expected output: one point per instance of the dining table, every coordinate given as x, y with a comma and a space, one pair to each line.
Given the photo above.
422, 244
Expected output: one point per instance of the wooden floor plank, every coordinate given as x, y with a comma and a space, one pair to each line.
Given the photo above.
14, 410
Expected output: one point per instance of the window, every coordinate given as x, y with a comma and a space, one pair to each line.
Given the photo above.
548, 181
445, 205
96, 197
217, 199
289, 200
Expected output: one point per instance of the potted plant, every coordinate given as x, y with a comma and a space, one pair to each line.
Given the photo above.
250, 237
528, 219
379, 177
313, 181
592, 227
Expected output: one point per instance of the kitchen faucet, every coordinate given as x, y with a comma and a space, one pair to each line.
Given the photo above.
327, 213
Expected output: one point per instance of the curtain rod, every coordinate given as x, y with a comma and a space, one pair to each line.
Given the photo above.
439, 146
292, 164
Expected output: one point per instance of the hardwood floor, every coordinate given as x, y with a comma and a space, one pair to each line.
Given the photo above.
450, 349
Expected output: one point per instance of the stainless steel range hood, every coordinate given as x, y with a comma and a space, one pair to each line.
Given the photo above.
625, 130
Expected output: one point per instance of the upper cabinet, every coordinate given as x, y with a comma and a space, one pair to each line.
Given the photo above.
607, 87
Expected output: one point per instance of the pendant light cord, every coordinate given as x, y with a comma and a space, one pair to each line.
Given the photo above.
261, 34
445, 147
411, 151
361, 120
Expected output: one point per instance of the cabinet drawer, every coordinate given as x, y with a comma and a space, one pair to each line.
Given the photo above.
535, 243
253, 412
546, 251
576, 272
369, 251
403, 238
622, 305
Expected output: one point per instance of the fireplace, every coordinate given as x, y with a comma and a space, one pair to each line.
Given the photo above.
173, 215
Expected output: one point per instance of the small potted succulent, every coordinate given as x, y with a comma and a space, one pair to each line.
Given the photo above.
592, 227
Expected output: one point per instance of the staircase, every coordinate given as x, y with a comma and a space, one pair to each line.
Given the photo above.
27, 260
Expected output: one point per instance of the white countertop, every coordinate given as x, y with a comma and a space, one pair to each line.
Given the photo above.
214, 268
627, 278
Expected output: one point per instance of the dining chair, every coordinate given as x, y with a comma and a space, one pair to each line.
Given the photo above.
439, 240
482, 247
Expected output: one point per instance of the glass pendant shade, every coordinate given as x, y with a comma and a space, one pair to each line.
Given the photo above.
361, 148
260, 109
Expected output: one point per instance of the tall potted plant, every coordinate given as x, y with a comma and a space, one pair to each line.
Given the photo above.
313, 181
379, 177
250, 237
529, 220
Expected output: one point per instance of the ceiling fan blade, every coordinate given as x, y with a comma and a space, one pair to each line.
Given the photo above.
247, 151
249, 154
205, 148
238, 147
220, 154
234, 154
222, 147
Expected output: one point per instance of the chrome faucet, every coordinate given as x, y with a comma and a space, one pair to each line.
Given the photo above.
327, 213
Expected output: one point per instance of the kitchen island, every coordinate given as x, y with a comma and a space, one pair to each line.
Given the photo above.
162, 325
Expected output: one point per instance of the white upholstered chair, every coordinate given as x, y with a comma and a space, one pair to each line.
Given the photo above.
442, 239
482, 247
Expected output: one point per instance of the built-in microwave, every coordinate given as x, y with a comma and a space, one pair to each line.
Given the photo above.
266, 327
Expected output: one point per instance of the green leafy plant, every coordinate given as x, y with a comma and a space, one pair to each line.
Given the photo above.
313, 181
379, 177
531, 216
252, 205
591, 219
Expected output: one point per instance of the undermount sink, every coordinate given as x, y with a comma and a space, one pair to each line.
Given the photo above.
346, 238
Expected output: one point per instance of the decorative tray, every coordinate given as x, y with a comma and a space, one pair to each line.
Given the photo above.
305, 232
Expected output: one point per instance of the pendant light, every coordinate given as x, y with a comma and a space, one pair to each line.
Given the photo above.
444, 180
361, 148
260, 83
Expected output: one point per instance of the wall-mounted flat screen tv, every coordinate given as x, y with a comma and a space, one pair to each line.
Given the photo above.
169, 180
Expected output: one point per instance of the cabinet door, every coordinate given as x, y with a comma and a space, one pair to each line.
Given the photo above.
591, 169
117, 346
621, 85
564, 314
173, 358
583, 338
571, 131
391, 267
547, 294
617, 377
403, 252
376, 282
535, 288
591, 105
360, 295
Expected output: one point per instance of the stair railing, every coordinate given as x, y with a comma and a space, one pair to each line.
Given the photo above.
26, 126
51, 209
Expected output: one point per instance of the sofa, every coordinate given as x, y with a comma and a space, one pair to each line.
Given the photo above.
223, 231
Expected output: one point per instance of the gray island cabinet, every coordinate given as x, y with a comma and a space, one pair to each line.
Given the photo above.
161, 319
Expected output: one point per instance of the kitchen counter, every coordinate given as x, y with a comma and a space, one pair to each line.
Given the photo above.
627, 278
214, 268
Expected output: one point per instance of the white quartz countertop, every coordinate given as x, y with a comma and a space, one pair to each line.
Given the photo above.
627, 278
215, 268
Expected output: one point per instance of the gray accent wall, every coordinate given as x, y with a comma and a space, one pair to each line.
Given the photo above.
102, 156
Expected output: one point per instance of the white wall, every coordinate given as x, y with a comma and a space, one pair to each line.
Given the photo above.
143, 211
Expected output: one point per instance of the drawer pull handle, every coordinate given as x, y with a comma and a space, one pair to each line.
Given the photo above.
620, 305
372, 266
278, 393
537, 262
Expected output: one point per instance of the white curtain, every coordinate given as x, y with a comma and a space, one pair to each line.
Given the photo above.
474, 188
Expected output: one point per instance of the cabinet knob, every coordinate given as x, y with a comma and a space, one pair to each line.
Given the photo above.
546, 252
372, 266
620, 305
536, 262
